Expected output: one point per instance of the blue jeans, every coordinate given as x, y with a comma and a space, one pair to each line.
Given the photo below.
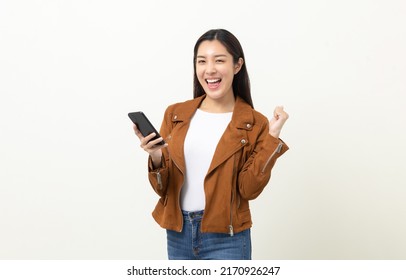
191, 244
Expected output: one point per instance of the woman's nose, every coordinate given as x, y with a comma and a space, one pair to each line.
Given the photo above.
211, 68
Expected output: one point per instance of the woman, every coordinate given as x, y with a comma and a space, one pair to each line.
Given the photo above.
218, 155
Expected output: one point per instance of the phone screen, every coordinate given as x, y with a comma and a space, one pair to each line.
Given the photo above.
144, 125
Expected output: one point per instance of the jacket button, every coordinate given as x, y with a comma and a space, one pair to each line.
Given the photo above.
248, 125
243, 141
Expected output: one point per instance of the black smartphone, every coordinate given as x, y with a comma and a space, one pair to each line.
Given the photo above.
144, 125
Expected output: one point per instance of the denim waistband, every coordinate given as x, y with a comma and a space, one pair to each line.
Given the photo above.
192, 214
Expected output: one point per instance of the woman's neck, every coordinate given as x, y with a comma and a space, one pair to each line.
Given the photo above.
217, 105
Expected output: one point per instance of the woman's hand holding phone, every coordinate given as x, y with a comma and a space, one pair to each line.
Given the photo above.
151, 141
152, 147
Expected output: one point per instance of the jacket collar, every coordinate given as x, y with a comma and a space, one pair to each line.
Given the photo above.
242, 117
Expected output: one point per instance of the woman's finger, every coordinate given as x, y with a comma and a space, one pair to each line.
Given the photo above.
137, 132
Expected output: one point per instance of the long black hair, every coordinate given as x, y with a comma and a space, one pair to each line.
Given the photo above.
241, 81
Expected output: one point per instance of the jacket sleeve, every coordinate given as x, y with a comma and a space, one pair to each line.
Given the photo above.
158, 177
256, 171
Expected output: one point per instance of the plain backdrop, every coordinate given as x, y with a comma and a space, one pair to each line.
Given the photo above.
73, 180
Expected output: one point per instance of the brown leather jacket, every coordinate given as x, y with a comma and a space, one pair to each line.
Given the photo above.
240, 169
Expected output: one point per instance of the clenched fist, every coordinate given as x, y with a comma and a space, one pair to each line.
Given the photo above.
277, 122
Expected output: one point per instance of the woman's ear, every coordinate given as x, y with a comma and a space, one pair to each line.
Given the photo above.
238, 65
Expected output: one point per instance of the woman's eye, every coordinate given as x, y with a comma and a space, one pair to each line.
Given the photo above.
200, 61
219, 61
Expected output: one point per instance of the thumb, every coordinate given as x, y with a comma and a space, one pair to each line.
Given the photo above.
278, 111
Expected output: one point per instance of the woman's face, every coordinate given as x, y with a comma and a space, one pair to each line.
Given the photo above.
215, 69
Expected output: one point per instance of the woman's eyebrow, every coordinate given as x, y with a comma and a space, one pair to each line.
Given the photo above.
217, 55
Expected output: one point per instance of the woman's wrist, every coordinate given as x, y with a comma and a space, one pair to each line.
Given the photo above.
275, 134
156, 161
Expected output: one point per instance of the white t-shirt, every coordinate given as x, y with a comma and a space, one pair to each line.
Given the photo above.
204, 133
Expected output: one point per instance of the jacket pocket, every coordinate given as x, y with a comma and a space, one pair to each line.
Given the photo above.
244, 216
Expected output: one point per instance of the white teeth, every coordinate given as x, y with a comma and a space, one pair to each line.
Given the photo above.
213, 81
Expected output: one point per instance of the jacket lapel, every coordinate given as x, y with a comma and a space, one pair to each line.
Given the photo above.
181, 118
235, 135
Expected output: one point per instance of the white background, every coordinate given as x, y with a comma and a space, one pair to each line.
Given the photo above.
73, 181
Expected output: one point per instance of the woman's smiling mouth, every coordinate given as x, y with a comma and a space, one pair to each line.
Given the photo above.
213, 83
